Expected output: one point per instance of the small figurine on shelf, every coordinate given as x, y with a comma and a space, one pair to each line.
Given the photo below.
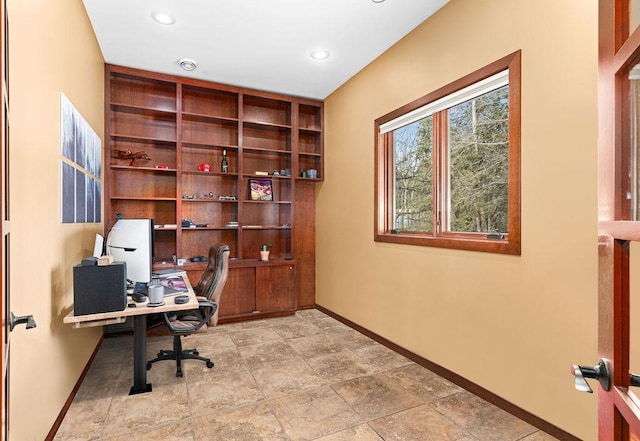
128, 154
264, 252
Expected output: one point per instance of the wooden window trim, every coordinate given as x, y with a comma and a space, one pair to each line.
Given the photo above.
383, 172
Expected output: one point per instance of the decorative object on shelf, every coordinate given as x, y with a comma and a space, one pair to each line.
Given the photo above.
224, 164
188, 196
162, 166
232, 224
264, 252
187, 223
209, 195
312, 173
204, 167
261, 189
227, 198
261, 173
128, 154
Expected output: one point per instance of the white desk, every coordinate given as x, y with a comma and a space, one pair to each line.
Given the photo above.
139, 314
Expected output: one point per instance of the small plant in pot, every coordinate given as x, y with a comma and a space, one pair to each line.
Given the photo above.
264, 252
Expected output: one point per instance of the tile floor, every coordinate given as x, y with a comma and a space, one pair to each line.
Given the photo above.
303, 377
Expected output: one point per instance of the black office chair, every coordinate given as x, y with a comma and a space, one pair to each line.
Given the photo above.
209, 290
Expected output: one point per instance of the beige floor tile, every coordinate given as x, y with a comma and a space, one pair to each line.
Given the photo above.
341, 366
226, 392
314, 413
539, 436
300, 377
286, 377
180, 431
420, 424
296, 329
138, 413
483, 420
375, 396
266, 353
352, 339
84, 420
328, 324
311, 314
98, 383
315, 346
253, 336
358, 433
381, 357
252, 423
422, 382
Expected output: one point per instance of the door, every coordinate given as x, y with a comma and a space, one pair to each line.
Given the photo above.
4, 221
619, 219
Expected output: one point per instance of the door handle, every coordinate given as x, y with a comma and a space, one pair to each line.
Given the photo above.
600, 372
28, 319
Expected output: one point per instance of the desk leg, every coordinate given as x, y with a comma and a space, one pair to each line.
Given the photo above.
140, 384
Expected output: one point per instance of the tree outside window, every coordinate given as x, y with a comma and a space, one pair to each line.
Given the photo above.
448, 165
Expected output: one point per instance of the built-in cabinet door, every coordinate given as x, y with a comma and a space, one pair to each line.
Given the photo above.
275, 288
238, 296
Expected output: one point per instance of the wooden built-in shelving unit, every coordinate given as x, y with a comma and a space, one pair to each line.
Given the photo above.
180, 123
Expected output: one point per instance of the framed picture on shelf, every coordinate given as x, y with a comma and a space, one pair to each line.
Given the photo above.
261, 189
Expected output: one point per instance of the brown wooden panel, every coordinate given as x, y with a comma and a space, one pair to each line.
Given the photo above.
209, 132
164, 244
143, 183
266, 137
238, 296
275, 288
266, 111
143, 92
132, 122
253, 161
162, 212
310, 117
196, 242
309, 142
304, 242
205, 101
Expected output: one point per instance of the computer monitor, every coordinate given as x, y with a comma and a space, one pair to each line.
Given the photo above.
131, 241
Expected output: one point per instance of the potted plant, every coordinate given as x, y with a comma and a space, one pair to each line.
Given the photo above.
264, 252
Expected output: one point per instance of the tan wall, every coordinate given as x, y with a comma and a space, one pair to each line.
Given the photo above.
513, 325
52, 50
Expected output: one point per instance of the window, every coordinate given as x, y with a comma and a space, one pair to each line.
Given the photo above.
448, 165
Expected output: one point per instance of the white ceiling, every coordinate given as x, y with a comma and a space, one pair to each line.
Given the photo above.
260, 44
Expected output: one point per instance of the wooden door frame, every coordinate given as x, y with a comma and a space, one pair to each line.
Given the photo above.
618, 411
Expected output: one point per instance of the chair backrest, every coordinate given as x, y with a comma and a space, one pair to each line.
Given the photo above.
214, 278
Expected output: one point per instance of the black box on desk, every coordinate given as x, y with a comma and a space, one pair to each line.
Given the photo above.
99, 288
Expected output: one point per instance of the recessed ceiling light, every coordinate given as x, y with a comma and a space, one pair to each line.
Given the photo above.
163, 18
188, 64
377, 1
320, 55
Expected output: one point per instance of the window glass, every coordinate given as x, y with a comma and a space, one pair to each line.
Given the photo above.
447, 165
413, 175
479, 164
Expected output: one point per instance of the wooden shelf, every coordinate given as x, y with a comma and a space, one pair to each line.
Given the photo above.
181, 123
